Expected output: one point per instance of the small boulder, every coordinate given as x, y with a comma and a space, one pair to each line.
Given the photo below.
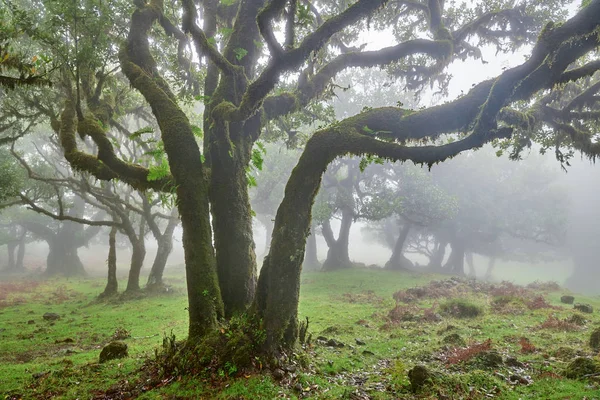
419, 376
278, 374
50, 316
112, 351
490, 359
595, 339
454, 339
30, 322
580, 367
513, 362
577, 319
584, 308
567, 299
359, 342
334, 343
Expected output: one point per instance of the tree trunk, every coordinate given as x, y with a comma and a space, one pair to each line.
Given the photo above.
311, 261
470, 264
165, 246
232, 223
112, 285
63, 258
490, 269
21, 252
456, 261
435, 264
138, 254
398, 261
338, 256
278, 290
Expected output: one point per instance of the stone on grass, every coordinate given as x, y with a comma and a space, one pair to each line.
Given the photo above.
112, 351
567, 299
51, 316
584, 308
580, 367
419, 376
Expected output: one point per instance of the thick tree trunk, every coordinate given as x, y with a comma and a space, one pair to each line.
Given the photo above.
456, 261
63, 258
490, 269
165, 246
232, 223
138, 254
311, 261
338, 256
112, 285
278, 290
470, 264
435, 264
398, 260
21, 252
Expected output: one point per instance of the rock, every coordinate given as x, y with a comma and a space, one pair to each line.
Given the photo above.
595, 339
580, 367
567, 299
513, 362
584, 308
368, 353
518, 379
290, 368
419, 376
577, 319
39, 375
490, 359
334, 343
112, 351
454, 339
359, 342
30, 322
298, 387
278, 374
50, 316
67, 340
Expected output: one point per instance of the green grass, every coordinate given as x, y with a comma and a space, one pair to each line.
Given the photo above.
343, 305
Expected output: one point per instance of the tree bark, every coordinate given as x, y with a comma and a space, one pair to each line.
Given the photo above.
456, 261
165, 246
138, 253
470, 264
398, 261
63, 258
232, 220
21, 252
112, 284
490, 269
338, 256
435, 264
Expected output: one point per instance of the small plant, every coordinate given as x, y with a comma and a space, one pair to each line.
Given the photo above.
461, 308
559, 324
466, 353
526, 346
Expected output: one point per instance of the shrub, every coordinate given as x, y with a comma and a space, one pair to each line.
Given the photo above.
461, 308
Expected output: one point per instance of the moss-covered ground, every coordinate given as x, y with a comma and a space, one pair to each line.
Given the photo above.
476, 341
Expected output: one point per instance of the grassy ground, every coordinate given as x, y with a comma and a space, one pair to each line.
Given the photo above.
42, 359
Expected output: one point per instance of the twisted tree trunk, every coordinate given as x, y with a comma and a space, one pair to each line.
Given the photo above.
112, 285
398, 260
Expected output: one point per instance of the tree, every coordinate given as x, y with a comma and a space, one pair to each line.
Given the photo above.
241, 93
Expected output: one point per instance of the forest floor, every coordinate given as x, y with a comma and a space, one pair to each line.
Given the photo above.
369, 329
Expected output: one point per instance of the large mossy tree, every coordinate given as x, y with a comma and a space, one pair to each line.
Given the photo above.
246, 53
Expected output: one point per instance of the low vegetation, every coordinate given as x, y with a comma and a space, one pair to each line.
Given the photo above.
372, 334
